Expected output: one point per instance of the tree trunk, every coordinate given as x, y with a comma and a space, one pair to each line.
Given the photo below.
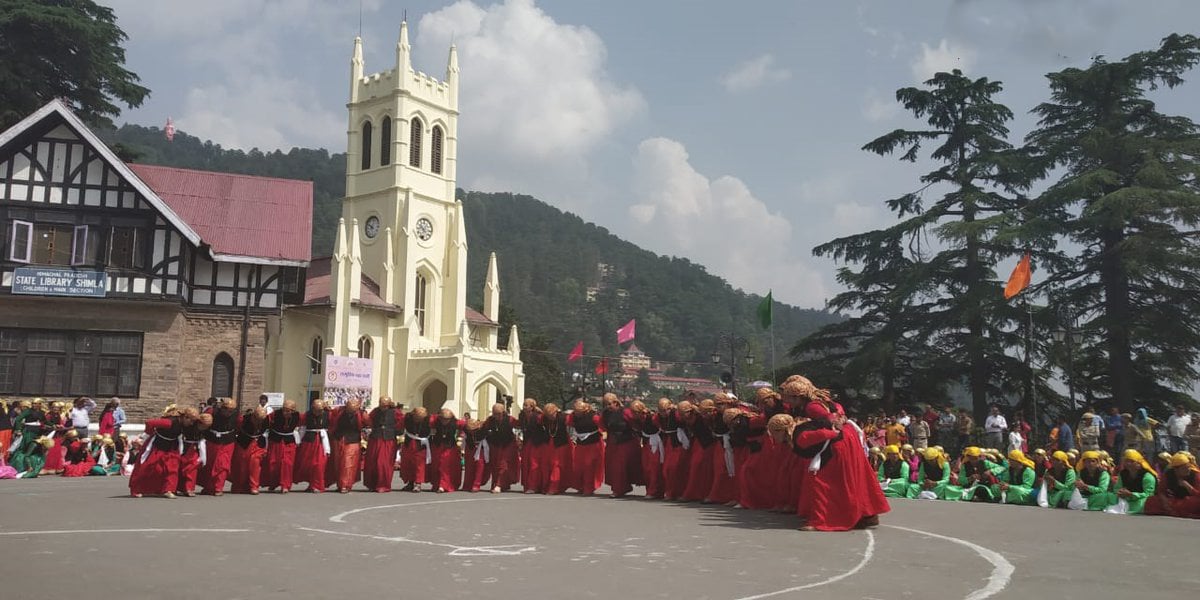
1117, 318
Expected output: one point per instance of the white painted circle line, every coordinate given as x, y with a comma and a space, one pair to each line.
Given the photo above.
1002, 570
72, 531
341, 517
867, 554
455, 550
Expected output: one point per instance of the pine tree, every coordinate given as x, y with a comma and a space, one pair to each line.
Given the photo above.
1128, 203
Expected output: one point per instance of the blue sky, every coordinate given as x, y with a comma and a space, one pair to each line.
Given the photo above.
725, 133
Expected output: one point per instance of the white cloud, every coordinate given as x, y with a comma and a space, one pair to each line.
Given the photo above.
535, 89
877, 107
266, 112
946, 56
718, 223
754, 73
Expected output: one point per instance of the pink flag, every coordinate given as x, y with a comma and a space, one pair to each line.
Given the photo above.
628, 332
576, 353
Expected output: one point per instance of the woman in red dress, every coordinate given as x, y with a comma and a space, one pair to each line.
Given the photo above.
651, 453
77, 461
194, 454
248, 450
416, 454
1178, 494
534, 444
381, 446
622, 450
557, 462
676, 447
282, 432
55, 421
474, 457
504, 464
698, 423
345, 452
157, 470
313, 453
218, 448
446, 463
588, 462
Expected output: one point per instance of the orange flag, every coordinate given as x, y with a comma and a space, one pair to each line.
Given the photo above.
1019, 280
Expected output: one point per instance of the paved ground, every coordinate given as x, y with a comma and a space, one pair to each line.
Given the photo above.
531, 547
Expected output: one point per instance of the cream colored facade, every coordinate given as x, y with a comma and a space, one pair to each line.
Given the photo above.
398, 274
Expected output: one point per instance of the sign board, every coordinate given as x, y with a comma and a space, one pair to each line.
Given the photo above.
274, 399
347, 378
50, 281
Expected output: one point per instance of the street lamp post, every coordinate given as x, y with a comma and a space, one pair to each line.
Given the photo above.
734, 343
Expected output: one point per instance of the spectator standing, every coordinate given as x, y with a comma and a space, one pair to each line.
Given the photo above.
1089, 433
81, 415
118, 416
946, 428
1177, 430
1139, 434
965, 425
1114, 431
920, 437
106, 420
1066, 437
994, 428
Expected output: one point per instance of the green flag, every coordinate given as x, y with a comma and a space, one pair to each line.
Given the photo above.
764, 311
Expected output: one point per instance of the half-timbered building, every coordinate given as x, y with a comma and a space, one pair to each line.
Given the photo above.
153, 284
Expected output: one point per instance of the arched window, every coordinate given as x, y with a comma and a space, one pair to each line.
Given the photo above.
366, 146
414, 143
222, 376
435, 151
364, 346
419, 303
314, 355
385, 141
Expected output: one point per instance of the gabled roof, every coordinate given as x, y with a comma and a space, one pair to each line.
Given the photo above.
475, 317
241, 217
319, 281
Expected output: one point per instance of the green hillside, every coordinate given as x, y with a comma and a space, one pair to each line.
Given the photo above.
548, 261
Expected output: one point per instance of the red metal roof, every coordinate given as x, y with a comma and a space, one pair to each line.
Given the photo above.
239, 215
318, 281
477, 318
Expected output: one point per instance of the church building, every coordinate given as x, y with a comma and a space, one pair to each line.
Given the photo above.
395, 289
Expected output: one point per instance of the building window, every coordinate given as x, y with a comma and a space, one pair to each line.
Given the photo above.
126, 248
435, 151
366, 146
314, 355
20, 242
414, 143
419, 303
385, 141
222, 376
364, 346
69, 363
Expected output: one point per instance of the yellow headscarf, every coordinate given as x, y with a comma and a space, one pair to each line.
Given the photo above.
973, 451
1062, 457
1180, 459
936, 455
1137, 457
1019, 457
892, 449
1089, 455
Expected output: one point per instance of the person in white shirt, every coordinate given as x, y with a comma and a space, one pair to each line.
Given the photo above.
263, 402
994, 428
1177, 430
118, 416
80, 417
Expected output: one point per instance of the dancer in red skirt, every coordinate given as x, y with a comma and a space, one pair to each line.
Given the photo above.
249, 446
534, 446
282, 435
218, 447
381, 446
622, 451
724, 454
698, 423
651, 454
588, 463
474, 456
446, 463
194, 454
157, 470
345, 452
313, 454
676, 447
559, 457
758, 474
416, 456
77, 462
504, 464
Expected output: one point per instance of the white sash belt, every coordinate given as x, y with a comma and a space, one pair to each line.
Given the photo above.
102, 460
729, 468
16, 442
683, 438
656, 445
814, 465
579, 437
324, 437
484, 449
424, 442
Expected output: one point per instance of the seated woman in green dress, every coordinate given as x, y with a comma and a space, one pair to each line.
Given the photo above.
1092, 480
1136, 482
933, 476
893, 473
1059, 480
1016, 484
975, 477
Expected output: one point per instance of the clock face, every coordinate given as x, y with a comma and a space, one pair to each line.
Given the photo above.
371, 228
424, 229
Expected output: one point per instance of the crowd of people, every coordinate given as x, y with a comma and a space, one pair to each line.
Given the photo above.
791, 450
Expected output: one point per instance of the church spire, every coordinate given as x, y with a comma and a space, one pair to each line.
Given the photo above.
389, 268
452, 76
354, 260
356, 69
403, 55
491, 290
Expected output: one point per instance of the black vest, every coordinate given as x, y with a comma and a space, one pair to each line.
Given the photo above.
669, 426
192, 435
1016, 474
33, 416
584, 426
619, 431
1132, 483
348, 428
283, 426
1092, 479
933, 471
1174, 484
499, 432
444, 432
224, 420
701, 432
556, 431
249, 432
383, 424
646, 422
168, 439
811, 451
472, 439
414, 426
892, 470
974, 469
315, 419
535, 433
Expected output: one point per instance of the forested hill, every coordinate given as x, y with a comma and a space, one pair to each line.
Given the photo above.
562, 279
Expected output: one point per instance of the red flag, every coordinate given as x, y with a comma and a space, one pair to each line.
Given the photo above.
1019, 280
576, 353
628, 332
602, 367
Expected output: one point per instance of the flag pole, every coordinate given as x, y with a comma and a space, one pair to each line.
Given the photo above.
772, 352
1029, 367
